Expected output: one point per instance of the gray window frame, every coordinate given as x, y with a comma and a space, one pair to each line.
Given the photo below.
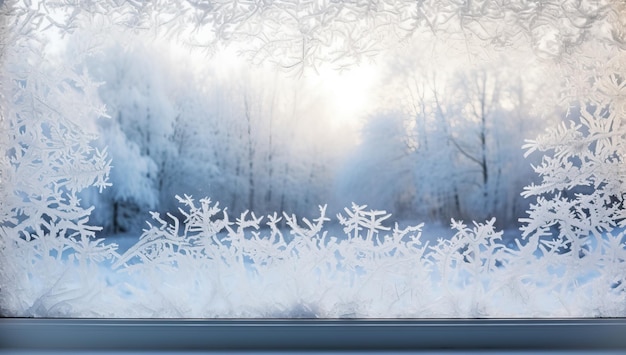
307, 334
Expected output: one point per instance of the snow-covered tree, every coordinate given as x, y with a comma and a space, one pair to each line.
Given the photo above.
379, 172
221, 131
136, 89
452, 148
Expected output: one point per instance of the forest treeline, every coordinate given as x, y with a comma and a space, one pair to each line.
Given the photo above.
175, 131
446, 143
451, 143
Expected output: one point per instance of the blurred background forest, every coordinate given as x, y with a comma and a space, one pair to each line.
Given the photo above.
425, 132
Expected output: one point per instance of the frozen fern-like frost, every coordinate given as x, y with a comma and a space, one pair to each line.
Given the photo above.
201, 262
210, 266
47, 160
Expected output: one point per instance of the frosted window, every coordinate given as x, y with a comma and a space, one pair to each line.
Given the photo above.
319, 159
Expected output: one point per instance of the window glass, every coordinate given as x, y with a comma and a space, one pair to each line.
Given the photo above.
313, 159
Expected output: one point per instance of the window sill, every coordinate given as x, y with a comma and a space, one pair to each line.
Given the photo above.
307, 334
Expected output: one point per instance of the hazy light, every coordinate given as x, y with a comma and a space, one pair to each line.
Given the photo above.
351, 92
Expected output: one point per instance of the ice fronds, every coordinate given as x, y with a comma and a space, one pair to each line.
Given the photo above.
201, 262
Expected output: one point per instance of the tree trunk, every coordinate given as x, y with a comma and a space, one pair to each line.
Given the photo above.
250, 157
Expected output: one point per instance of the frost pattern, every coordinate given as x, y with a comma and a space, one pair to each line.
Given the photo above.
571, 262
48, 248
308, 33
207, 264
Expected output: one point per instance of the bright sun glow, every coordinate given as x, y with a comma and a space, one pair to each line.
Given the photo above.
351, 92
